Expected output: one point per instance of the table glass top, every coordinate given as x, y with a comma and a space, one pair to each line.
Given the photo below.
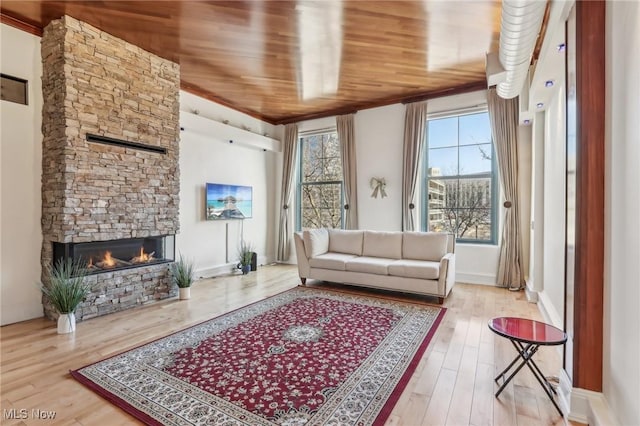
527, 330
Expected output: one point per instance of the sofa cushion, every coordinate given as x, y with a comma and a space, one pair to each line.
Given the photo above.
316, 242
424, 245
382, 244
343, 241
369, 265
415, 269
335, 261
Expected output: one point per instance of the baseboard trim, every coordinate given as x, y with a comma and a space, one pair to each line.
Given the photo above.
564, 399
590, 408
532, 295
482, 279
225, 268
215, 271
601, 412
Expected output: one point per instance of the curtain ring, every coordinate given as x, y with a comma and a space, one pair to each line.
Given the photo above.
412, 206
507, 204
285, 207
346, 206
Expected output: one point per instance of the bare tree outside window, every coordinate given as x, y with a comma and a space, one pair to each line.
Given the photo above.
320, 184
463, 208
460, 178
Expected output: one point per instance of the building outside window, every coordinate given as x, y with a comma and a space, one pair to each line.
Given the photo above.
320, 189
461, 183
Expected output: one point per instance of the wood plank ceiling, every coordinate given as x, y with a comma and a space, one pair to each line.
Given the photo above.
283, 61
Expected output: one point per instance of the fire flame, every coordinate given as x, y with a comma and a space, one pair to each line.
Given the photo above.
143, 257
108, 260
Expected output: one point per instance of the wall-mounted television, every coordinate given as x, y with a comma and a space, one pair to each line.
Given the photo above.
228, 202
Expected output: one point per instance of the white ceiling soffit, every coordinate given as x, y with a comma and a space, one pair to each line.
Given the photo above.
548, 74
520, 25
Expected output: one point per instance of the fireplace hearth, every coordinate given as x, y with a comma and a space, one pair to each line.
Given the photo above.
107, 256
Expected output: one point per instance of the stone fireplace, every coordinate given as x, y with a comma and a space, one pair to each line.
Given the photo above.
110, 177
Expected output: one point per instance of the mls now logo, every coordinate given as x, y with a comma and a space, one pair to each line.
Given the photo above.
15, 414
23, 414
42, 414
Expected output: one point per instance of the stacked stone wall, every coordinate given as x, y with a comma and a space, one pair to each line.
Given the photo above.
95, 83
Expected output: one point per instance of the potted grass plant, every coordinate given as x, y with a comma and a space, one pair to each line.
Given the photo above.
245, 253
66, 289
182, 276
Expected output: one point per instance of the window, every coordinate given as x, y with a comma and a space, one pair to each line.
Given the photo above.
460, 178
320, 198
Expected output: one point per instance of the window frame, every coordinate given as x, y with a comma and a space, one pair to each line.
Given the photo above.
493, 175
300, 183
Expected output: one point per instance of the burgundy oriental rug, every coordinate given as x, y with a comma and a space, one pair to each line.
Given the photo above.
302, 357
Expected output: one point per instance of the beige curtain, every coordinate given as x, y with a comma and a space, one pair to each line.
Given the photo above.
289, 157
503, 114
346, 136
415, 128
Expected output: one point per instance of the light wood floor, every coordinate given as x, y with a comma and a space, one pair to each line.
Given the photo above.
453, 383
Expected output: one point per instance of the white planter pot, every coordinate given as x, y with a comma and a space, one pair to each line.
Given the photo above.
185, 293
66, 323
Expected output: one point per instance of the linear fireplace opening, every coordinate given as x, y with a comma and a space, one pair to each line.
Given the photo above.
106, 256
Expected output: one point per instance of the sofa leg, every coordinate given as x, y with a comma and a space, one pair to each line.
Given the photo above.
303, 281
440, 300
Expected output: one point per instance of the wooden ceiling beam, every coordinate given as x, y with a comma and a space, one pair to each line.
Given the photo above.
20, 24
450, 91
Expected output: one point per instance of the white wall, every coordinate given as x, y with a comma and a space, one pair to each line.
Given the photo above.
552, 294
205, 108
320, 123
379, 134
621, 372
477, 263
536, 244
208, 157
21, 159
524, 186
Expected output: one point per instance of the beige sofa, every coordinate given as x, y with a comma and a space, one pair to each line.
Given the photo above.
414, 262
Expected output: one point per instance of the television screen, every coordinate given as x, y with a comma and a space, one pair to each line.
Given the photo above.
228, 201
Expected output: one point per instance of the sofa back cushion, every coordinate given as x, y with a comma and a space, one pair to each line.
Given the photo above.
343, 241
382, 244
424, 245
316, 242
